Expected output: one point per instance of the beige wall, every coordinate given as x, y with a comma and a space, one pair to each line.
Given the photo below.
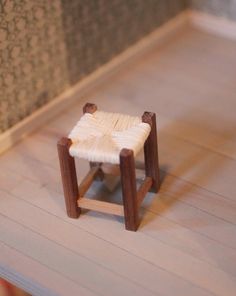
224, 8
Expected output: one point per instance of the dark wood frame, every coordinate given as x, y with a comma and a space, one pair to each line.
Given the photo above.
132, 198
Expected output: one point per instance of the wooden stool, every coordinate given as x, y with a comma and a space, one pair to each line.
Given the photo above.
124, 158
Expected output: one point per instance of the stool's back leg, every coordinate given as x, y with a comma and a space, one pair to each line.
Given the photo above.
91, 108
69, 179
151, 151
129, 191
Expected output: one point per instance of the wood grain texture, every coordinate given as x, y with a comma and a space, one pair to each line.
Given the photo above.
101, 206
141, 245
143, 189
186, 243
129, 191
69, 177
66, 261
28, 274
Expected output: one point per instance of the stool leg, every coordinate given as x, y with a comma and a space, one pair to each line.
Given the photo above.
69, 179
129, 191
151, 151
91, 108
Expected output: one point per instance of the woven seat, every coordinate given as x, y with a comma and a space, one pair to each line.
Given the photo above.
100, 136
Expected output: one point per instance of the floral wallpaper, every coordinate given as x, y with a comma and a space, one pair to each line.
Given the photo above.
47, 46
224, 8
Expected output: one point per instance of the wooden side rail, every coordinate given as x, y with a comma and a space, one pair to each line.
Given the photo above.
88, 180
107, 207
101, 206
143, 190
110, 169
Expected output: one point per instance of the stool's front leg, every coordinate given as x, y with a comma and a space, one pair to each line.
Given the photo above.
151, 151
129, 191
69, 178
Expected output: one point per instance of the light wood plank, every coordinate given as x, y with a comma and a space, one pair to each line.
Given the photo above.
71, 265
207, 201
173, 212
180, 190
9, 180
210, 227
143, 245
34, 277
99, 250
187, 236
101, 206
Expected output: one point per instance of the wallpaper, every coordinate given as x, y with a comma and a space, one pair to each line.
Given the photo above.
224, 8
47, 46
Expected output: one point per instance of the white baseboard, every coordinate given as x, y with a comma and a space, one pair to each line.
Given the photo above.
213, 24
50, 110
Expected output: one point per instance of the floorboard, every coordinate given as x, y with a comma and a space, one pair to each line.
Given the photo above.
186, 243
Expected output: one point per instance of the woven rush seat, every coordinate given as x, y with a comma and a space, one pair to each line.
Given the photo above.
110, 142
100, 136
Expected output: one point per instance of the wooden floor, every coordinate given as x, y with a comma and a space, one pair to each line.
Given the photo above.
186, 244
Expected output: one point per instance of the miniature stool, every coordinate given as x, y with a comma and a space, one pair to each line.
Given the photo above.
113, 138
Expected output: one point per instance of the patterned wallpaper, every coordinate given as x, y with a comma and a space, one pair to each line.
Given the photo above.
224, 8
47, 46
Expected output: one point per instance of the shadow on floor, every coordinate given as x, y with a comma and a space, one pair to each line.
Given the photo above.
189, 164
